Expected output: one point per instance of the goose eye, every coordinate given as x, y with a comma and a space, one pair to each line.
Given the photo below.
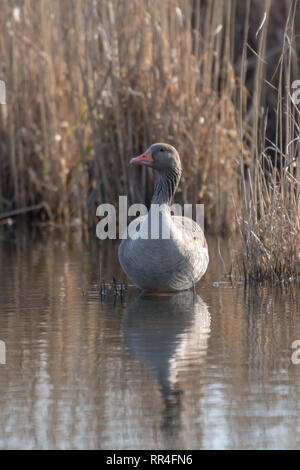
161, 150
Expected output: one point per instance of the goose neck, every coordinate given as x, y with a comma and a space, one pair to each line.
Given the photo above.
166, 185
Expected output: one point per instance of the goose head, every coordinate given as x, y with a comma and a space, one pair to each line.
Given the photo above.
161, 157
165, 160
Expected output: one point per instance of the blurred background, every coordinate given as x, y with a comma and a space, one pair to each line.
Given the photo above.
90, 363
91, 83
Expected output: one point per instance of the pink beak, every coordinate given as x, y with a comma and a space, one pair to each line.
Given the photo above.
144, 159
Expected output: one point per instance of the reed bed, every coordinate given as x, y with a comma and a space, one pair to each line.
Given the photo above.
269, 207
92, 82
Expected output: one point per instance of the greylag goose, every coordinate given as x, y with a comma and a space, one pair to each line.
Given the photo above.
176, 256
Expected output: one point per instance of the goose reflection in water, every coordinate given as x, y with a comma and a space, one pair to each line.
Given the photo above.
171, 333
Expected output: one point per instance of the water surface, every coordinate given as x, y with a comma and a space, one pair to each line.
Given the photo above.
204, 370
